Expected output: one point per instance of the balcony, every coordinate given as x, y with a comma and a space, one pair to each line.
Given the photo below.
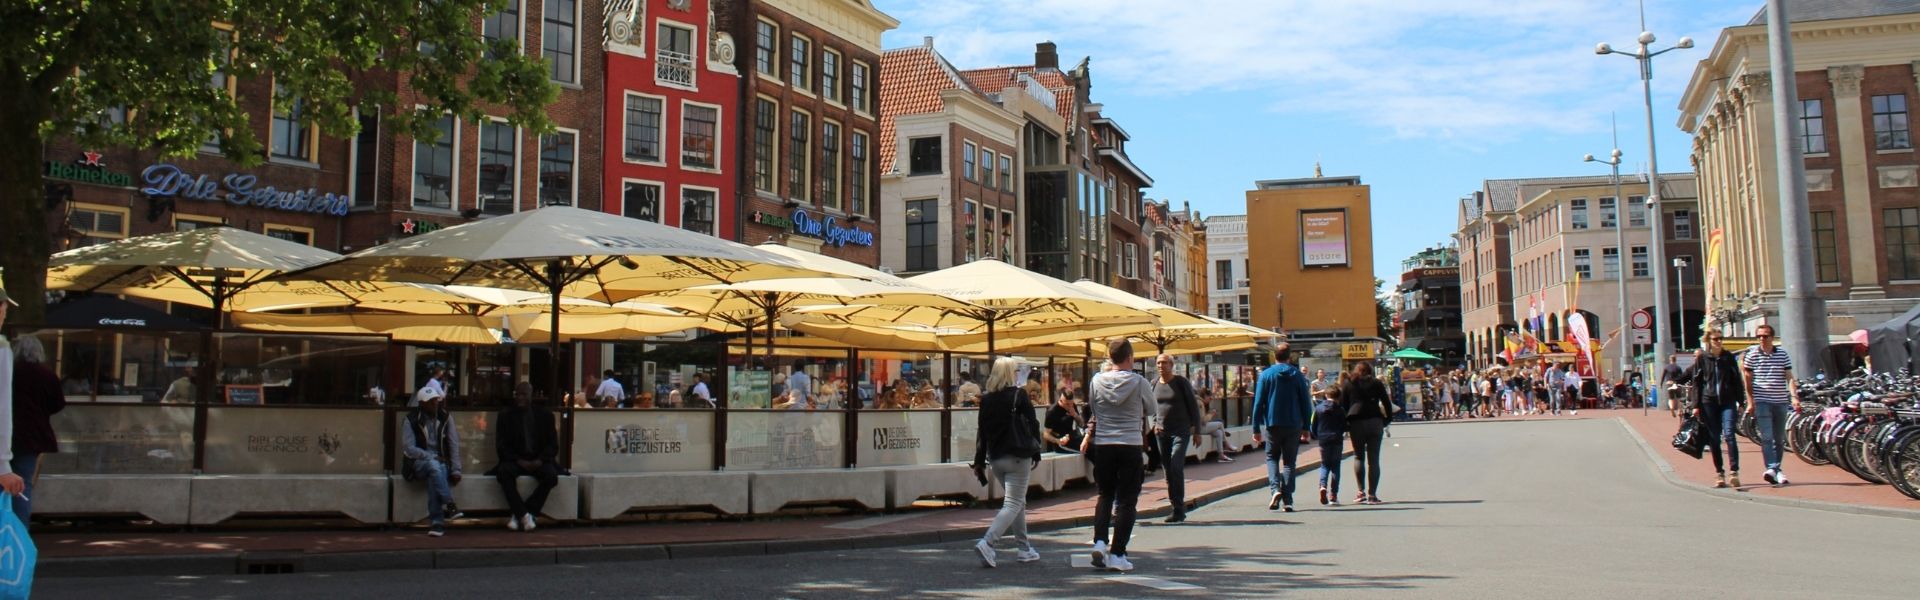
673, 68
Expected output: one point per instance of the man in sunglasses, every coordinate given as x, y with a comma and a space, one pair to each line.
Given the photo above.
1771, 392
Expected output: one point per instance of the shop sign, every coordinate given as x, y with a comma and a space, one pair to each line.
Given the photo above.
772, 220
239, 189
87, 169
1361, 351
828, 228
417, 227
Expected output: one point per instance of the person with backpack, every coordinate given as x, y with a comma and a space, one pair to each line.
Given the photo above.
1368, 408
1008, 440
431, 447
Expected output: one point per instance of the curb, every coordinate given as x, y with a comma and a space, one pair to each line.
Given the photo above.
462, 558
1665, 469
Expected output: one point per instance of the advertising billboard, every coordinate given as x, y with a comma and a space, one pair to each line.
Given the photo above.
1323, 237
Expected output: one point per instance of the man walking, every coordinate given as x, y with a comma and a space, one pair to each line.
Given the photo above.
1670, 379
1556, 388
1771, 391
1281, 410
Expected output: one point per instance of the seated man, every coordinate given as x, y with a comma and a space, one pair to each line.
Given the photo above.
432, 450
526, 445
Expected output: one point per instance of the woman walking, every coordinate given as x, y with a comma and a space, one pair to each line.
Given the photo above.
1329, 429
1720, 393
36, 398
1004, 410
1121, 402
1367, 402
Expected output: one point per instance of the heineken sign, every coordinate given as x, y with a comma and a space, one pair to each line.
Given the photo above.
88, 169
239, 189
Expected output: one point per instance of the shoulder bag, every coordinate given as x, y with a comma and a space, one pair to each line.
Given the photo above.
1022, 437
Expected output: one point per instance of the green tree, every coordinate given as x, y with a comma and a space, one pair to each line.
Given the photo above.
1381, 311
66, 63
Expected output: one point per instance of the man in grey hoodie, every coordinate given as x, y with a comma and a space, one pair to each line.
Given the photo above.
1282, 408
1122, 404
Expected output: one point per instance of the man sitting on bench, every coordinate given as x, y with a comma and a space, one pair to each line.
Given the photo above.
526, 445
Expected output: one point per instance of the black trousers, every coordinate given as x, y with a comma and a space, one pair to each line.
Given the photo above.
509, 472
1117, 472
1366, 436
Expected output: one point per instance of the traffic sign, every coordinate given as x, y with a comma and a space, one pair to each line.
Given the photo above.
1642, 320
1642, 336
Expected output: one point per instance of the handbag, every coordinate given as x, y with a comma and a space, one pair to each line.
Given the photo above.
16, 571
1689, 439
1023, 432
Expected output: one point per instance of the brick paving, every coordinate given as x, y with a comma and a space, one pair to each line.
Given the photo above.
1817, 483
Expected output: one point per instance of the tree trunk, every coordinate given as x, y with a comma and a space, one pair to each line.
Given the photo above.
23, 211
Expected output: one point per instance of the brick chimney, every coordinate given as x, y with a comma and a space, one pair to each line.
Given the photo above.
1046, 56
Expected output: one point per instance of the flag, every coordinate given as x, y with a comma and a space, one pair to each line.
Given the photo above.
1577, 328
1533, 311
1712, 272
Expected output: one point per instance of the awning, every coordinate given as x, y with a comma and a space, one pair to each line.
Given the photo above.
94, 312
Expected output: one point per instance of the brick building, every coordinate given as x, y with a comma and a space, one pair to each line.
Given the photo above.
1486, 268
671, 95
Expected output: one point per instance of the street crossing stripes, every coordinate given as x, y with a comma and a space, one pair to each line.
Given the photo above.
1155, 583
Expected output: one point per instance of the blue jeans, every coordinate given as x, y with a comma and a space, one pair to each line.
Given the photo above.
1173, 455
1722, 425
1283, 450
1330, 465
25, 465
439, 492
1771, 418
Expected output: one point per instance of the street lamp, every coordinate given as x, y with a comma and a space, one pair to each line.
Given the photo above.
1645, 56
1680, 277
1620, 231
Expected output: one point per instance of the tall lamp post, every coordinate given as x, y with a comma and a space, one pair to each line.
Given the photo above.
1663, 333
1620, 231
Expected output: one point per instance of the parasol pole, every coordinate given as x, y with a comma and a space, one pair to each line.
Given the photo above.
553, 337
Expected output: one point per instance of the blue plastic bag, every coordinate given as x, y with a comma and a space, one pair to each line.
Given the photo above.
17, 556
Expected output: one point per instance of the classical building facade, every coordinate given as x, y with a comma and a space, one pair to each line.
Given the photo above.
1857, 66
1228, 293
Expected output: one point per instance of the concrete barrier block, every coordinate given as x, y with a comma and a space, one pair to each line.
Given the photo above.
1067, 468
163, 498
773, 490
910, 483
608, 495
216, 498
1240, 438
480, 493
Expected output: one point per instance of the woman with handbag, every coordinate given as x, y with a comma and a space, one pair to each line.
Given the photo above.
1009, 442
1719, 392
1368, 408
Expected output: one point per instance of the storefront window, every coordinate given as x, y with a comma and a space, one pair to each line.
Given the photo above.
760, 381
260, 369
902, 380
668, 375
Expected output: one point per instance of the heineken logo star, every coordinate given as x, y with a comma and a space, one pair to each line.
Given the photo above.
91, 159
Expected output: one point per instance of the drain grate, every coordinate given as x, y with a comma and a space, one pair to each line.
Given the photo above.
269, 565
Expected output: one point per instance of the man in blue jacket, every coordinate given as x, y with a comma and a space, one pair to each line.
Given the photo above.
1281, 409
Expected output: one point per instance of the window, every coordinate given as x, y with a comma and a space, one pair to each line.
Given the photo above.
499, 144
1223, 311
1902, 241
923, 236
970, 229
699, 136
503, 25
857, 177
643, 128
292, 139
189, 223
1609, 263
366, 160
433, 185
1683, 224
1006, 236
673, 63
1609, 215
986, 168
1222, 274
641, 201
764, 52
1890, 122
990, 231
556, 168
857, 92
1813, 129
220, 81
967, 162
830, 164
764, 146
798, 72
1636, 211
1006, 173
1579, 212
97, 224
799, 130
1583, 263
696, 209
557, 43
297, 235
923, 156
1640, 261
1246, 309
1128, 260
830, 75
1826, 251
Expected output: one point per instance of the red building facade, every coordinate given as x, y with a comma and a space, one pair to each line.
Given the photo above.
671, 93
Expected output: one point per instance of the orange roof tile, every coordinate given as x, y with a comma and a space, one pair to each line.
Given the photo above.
911, 81
994, 79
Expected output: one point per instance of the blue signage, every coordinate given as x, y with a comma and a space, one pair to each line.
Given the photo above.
829, 229
239, 189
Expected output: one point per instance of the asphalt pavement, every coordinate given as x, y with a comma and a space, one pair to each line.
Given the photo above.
1559, 509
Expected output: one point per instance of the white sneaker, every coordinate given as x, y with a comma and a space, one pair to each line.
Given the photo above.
513, 523
1028, 554
1119, 562
986, 553
528, 524
1099, 555
1781, 476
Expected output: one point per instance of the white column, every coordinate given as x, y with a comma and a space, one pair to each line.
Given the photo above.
1853, 149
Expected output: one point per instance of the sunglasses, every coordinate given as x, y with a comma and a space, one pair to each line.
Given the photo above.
1764, 336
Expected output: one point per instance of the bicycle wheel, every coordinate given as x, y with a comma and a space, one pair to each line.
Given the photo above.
1856, 448
1750, 427
1800, 432
1874, 460
1903, 457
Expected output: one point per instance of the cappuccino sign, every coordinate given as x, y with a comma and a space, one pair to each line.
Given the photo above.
239, 189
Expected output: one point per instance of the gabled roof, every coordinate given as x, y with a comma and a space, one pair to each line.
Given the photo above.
995, 79
1825, 10
911, 82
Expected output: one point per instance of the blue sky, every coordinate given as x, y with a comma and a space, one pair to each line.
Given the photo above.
1421, 98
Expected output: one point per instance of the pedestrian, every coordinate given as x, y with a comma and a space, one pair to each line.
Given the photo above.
526, 444
10, 480
1329, 430
1670, 379
1367, 413
431, 447
1574, 389
1176, 424
36, 398
1121, 402
1281, 413
1771, 392
1004, 407
1718, 392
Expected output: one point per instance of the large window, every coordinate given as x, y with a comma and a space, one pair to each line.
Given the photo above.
97, 225
857, 175
765, 145
696, 210
923, 156
830, 164
640, 200
1636, 211
1223, 311
433, 185
644, 116
292, 139
857, 90
968, 162
1223, 274
503, 25
1609, 214
499, 144
1246, 309
1683, 224
297, 235
1583, 263
970, 229
366, 160
557, 42
1578, 208
830, 75
1610, 263
673, 61
923, 236
1902, 233
1890, 122
1640, 261
1826, 250
1813, 127
1006, 172
1129, 260
799, 130
557, 156
765, 53
799, 72
986, 168
699, 136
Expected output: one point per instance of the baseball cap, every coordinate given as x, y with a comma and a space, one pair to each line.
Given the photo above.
426, 394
